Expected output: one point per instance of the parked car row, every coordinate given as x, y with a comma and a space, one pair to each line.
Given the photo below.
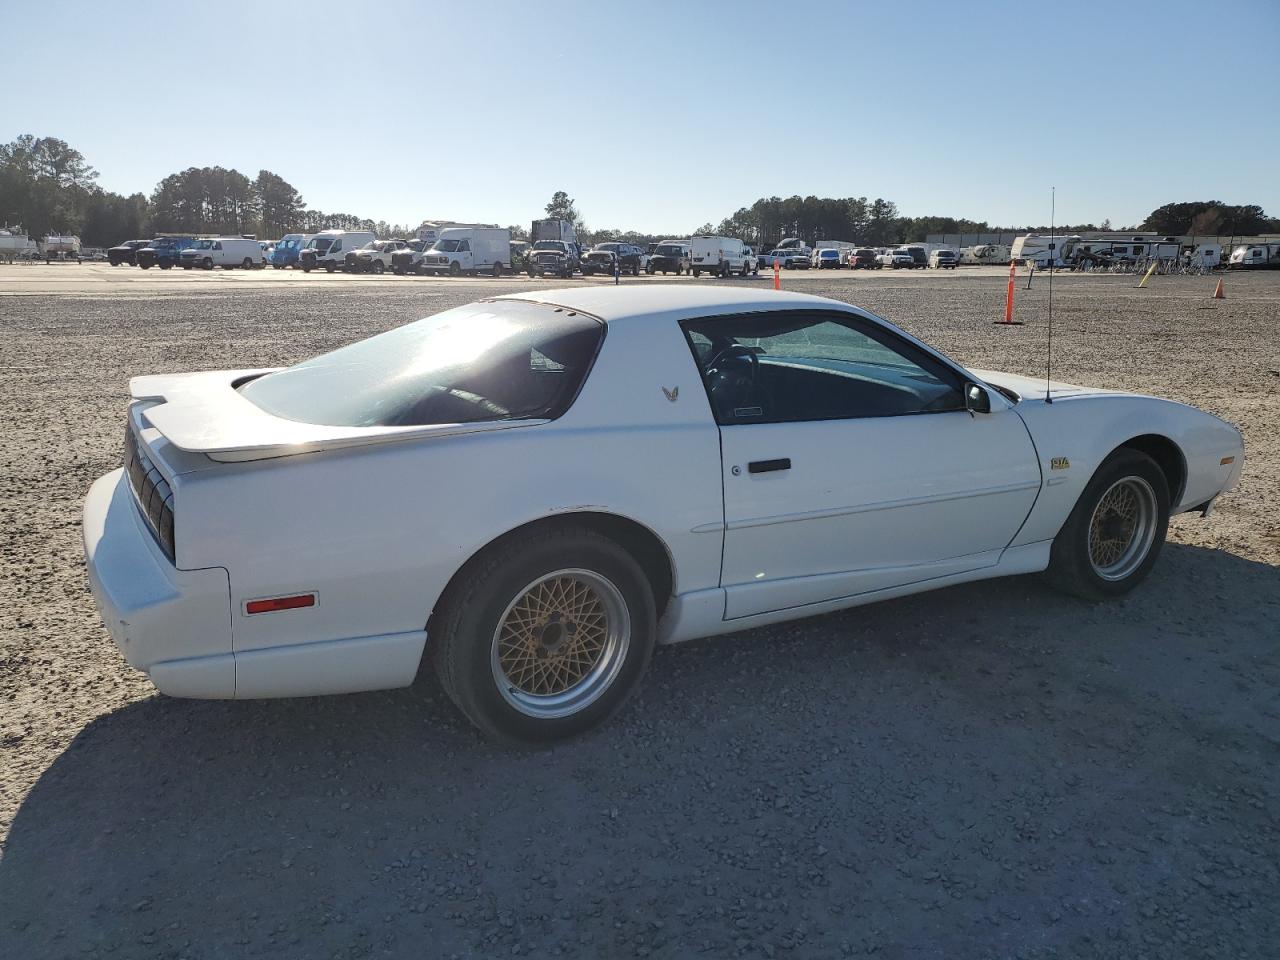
189, 252
472, 250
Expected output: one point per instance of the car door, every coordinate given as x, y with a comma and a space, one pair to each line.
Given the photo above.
850, 462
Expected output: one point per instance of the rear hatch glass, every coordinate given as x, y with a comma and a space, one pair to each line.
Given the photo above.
501, 360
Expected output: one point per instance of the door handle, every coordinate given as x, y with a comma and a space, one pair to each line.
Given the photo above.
768, 466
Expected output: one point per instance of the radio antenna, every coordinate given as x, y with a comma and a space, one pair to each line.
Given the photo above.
1053, 256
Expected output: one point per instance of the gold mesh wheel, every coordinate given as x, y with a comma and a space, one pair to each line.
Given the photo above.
560, 643
1122, 528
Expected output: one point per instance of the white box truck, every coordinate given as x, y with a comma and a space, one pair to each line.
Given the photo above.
719, 256
225, 252
469, 250
329, 248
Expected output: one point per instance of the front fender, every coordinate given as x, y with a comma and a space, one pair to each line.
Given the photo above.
1084, 430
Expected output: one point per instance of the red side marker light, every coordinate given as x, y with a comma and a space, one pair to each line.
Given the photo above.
273, 604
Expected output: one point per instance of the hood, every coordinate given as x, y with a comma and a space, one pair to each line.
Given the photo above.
204, 413
1032, 388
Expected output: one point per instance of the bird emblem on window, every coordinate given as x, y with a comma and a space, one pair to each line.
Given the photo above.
673, 394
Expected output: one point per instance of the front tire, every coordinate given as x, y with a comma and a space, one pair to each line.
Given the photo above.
378, 267
545, 636
1114, 534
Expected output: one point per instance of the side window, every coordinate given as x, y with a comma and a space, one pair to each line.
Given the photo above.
464, 246
701, 344
337, 245
217, 245
781, 367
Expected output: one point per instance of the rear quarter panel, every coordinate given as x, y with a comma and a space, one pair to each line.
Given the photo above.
378, 531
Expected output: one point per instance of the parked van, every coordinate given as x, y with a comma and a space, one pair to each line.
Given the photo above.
329, 248
287, 250
720, 256
225, 252
469, 250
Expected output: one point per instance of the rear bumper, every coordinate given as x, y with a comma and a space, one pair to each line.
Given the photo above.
175, 625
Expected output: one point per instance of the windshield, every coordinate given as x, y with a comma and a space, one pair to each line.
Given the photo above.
372, 245
506, 360
549, 245
320, 244
669, 250
446, 246
289, 242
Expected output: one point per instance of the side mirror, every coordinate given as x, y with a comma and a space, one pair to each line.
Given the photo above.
976, 399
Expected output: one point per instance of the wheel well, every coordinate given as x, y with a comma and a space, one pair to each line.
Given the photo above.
1168, 456
641, 542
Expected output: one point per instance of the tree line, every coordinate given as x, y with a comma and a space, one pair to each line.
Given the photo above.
47, 186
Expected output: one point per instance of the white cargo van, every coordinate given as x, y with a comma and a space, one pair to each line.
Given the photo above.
721, 256
329, 248
225, 252
469, 250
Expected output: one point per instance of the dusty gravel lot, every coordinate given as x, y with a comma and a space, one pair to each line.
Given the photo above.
989, 771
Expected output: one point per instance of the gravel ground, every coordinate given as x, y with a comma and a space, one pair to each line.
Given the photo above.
992, 770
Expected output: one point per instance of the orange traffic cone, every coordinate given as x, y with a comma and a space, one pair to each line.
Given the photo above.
1218, 294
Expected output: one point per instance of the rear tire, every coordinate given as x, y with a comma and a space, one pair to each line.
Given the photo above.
378, 267
1114, 534
248, 264
497, 268
566, 596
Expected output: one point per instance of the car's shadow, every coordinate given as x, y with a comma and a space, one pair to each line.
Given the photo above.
758, 779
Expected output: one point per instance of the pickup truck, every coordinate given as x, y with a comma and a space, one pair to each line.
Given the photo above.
374, 257
408, 259
127, 252
557, 257
163, 252
631, 259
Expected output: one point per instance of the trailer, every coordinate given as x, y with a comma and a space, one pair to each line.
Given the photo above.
1255, 256
58, 246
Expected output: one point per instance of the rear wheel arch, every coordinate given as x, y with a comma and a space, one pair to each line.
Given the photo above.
645, 546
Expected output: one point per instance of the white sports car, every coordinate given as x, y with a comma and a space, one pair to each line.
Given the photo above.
536, 489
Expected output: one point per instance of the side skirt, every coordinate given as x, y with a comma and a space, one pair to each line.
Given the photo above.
701, 614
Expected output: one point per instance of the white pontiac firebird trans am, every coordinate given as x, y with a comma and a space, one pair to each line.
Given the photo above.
536, 489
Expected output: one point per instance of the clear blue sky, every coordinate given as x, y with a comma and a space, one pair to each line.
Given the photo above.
661, 115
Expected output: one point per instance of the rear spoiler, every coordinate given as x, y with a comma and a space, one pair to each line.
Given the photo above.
205, 413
